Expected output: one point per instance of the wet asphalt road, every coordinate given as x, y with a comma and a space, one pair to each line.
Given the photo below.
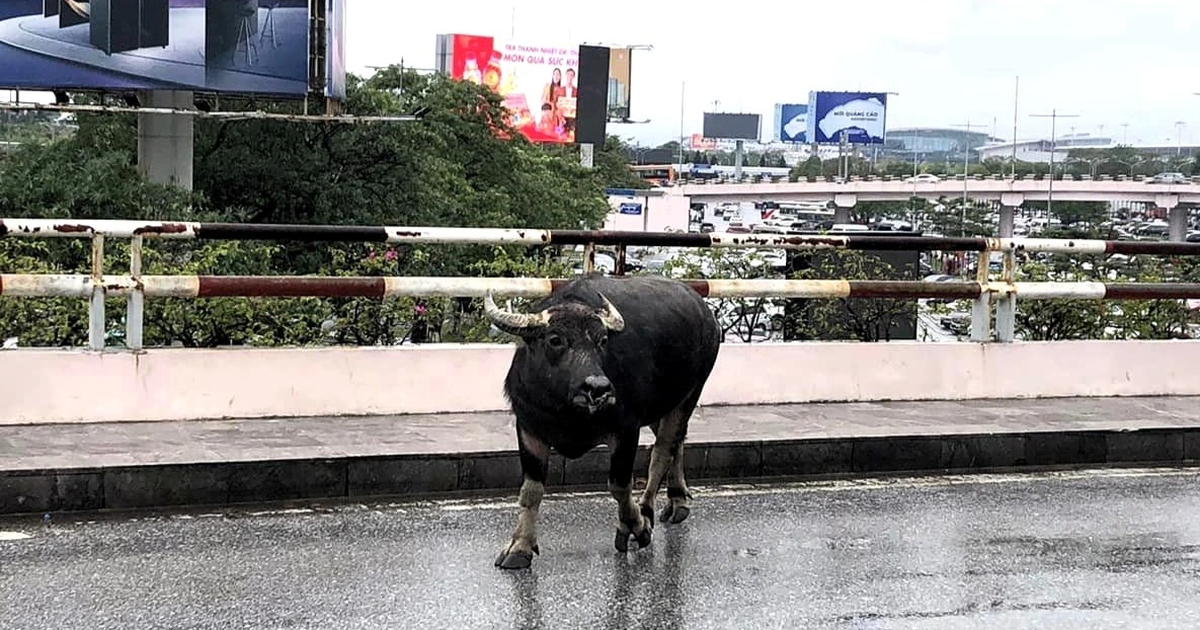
1073, 550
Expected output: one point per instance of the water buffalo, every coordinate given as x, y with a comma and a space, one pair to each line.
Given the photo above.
599, 359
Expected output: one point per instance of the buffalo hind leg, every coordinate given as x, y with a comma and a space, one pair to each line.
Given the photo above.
667, 456
630, 520
535, 460
678, 495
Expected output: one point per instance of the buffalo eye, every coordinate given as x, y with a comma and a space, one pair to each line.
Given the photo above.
556, 342
602, 342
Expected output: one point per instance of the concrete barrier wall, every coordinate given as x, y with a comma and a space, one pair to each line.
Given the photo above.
42, 386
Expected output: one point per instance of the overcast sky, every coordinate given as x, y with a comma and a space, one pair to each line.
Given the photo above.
950, 60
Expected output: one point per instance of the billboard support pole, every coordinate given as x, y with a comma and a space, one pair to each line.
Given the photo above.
738, 150
165, 141
682, 136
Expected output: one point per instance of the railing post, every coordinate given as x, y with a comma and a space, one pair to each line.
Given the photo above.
135, 308
620, 270
981, 309
96, 327
589, 258
1006, 305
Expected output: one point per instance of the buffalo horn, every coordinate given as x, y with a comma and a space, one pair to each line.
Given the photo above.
509, 322
610, 316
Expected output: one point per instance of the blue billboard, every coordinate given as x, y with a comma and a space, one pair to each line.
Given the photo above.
230, 46
791, 122
861, 116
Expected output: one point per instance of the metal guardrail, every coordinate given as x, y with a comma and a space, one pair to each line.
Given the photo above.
782, 178
194, 230
137, 286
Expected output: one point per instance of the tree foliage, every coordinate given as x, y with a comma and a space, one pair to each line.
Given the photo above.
1056, 320
743, 319
860, 319
458, 165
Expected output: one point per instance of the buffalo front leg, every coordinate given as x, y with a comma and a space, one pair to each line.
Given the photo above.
631, 521
535, 460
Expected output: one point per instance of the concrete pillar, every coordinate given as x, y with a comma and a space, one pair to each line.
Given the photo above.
165, 140
842, 203
1006, 221
1177, 222
1009, 202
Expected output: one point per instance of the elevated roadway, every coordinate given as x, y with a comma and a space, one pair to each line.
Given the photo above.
1008, 192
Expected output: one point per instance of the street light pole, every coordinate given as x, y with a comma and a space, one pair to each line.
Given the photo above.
1016, 96
966, 162
1053, 116
682, 136
875, 157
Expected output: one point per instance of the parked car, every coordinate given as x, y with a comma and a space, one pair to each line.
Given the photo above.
959, 323
1169, 178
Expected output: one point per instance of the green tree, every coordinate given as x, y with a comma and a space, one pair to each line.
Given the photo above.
1083, 214
1060, 319
744, 319
861, 319
458, 165
811, 167
612, 166
954, 218
866, 212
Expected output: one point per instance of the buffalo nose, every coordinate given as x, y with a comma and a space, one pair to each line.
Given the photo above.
597, 387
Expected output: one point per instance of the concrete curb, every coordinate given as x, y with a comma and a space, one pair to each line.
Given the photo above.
378, 476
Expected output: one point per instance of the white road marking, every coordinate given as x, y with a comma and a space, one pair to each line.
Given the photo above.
843, 485
13, 536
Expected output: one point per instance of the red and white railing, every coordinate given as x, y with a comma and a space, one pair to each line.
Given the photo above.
136, 286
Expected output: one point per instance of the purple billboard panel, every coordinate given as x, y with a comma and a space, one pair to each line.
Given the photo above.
229, 46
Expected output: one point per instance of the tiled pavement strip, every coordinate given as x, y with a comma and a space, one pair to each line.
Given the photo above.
65, 467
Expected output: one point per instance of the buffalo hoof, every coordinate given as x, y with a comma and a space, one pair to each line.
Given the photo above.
621, 542
674, 514
518, 559
648, 515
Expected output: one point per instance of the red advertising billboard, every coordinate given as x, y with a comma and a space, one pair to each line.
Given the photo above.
538, 83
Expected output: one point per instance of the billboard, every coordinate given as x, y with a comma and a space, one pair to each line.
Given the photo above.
860, 115
538, 82
335, 58
591, 115
232, 46
620, 71
700, 143
732, 126
791, 122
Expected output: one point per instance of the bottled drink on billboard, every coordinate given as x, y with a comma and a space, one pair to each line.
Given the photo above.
471, 72
492, 74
